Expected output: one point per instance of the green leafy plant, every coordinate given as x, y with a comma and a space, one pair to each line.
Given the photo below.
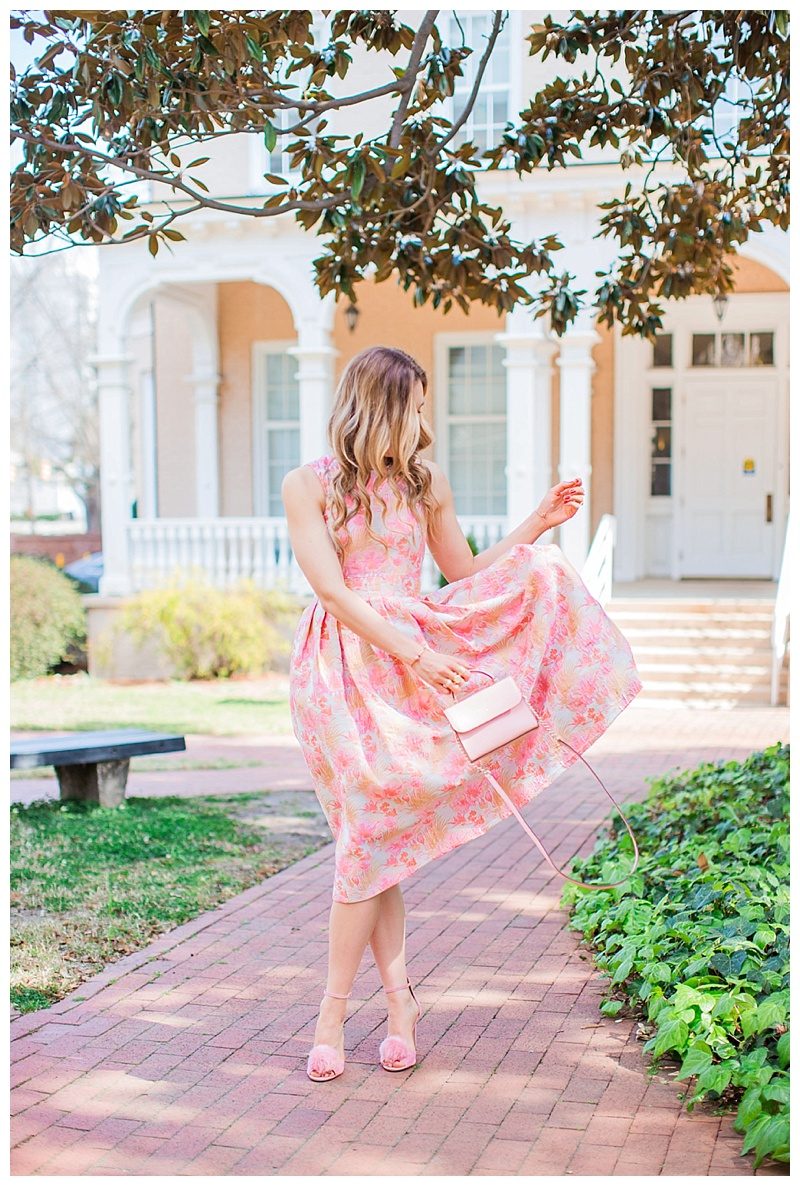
208, 632
697, 940
48, 619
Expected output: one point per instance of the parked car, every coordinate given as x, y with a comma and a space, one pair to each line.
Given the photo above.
86, 572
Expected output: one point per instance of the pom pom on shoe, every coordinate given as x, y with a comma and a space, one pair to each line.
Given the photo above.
392, 1048
323, 1060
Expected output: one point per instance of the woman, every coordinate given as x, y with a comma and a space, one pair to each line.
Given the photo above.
374, 662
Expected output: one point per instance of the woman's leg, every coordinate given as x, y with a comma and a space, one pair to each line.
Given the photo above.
349, 928
388, 943
388, 938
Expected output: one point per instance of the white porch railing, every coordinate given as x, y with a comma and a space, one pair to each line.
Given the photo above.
597, 570
226, 550
780, 617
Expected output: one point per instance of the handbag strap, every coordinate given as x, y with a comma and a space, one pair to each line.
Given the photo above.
535, 838
537, 841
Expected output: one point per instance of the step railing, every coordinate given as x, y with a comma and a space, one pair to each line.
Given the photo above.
780, 617
598, 568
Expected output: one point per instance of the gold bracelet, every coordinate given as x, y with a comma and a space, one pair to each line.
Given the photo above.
542, 517
423, 647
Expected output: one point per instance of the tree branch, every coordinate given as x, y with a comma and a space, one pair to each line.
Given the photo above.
173, 183
411, 71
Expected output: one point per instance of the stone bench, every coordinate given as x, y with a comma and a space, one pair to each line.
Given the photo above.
92, 767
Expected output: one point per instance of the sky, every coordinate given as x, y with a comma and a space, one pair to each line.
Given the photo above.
23, 55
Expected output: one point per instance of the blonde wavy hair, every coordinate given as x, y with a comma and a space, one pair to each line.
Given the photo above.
374, 428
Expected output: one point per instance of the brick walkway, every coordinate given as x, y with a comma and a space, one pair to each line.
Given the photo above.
189, 1056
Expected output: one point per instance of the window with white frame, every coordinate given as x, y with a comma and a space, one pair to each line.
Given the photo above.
476, 427
492, 109
722, 122
276, 424
279, 161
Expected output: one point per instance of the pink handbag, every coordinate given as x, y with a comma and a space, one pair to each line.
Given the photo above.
493, 716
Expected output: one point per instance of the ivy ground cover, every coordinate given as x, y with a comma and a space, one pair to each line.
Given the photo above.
697, 940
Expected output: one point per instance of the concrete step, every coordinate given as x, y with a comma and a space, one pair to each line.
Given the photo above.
704, 652
743, 624
648, 698
679, 633
738, 604
647, 609
758, 650
723, 671
728, 684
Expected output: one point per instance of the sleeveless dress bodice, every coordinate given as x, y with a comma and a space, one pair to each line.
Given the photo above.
367, 565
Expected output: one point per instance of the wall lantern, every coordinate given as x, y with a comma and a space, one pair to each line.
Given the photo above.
352, 314
720, 302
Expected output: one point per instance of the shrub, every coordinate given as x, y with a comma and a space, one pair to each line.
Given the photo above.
699, 936
48, 618
208, 632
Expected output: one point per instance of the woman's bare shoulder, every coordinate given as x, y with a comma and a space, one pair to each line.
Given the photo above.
436, 471
439, 482
303, 483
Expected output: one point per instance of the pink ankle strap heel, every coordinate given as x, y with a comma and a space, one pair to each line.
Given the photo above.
324, 1061
393, 1047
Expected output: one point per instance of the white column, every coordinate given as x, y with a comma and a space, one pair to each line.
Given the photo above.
528, 364
116, 487
139, 340
205, 381
201, 302
315, 372
149, 439
575, 450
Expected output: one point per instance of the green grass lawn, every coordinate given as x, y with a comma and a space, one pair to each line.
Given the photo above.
225, 707
90, 884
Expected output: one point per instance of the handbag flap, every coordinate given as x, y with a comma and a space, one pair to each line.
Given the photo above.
484, 705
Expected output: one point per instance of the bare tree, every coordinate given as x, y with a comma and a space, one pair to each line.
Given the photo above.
53, 391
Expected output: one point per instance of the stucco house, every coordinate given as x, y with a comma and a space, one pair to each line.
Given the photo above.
217, 363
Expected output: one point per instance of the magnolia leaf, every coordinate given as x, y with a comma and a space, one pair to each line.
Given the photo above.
254, 49
359, 173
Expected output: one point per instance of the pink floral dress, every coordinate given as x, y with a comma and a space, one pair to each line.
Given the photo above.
393, 780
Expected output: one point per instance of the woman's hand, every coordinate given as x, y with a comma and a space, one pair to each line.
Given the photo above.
443, 671
561, 502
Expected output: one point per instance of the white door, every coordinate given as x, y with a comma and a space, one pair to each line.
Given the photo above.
725, 520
